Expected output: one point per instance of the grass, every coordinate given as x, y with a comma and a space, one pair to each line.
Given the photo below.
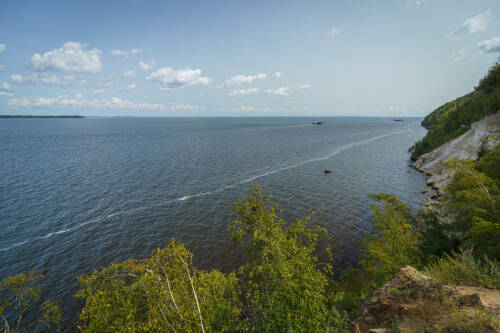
463, 268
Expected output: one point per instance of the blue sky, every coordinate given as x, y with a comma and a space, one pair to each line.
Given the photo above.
243, 58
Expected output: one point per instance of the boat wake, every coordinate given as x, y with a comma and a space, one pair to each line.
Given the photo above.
273, 169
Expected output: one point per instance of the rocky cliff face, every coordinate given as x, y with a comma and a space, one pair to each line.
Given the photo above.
414, 302
465, 146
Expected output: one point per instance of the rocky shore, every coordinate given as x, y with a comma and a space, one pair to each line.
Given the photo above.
465, 146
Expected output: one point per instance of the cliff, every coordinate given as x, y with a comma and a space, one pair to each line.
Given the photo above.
462, 147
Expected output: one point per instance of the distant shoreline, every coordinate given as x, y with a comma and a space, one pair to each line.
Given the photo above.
27, 116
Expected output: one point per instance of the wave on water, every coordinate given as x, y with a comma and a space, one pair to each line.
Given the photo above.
274, 169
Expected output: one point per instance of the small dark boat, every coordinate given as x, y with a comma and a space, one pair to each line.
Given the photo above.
319, 122
328, 171
398, 120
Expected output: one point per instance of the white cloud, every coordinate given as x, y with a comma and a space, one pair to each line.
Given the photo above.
6, 86
241, 92
185, 107
276, 75
16, 78
71, 57
131, 87
415, 3
97, 92
119, 53
124, 53
3, 47
282, 91
251, 109
145, 67
490, 45
396, 109
460, 55
54, 80
5, 94
129, 74
473, 25
334, 32
240, 79
79, 101
173, 79
303, 86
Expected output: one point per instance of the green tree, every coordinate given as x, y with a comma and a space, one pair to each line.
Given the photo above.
483, 147
20, 295
473, 203
392, 243
162, 293
284, 290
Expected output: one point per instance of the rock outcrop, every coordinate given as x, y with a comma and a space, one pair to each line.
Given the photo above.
414, 302
465, 146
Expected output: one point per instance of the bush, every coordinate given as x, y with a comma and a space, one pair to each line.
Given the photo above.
393, 243
466, 269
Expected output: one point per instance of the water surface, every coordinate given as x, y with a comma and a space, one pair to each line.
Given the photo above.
77, 194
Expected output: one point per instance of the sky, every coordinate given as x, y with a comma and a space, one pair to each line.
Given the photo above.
243, 58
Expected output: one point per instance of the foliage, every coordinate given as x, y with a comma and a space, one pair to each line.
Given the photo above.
473, 201
438, 238
454, 118
483, 147
465, 268
20, 294
489, 164
283, 288
163, 291
393, 243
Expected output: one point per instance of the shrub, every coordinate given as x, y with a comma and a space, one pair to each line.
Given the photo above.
464, 268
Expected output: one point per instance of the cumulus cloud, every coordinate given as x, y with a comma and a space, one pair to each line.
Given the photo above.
3, 47
6, 86
119, 53
473, 25
240, 79
185, 107
16, 78
282, 91
5, 94
129, 74
97, 91
80, 101
124, 53
131, 87
334, 32
71, 57
276, 75
173, 79
303, 86
242, 92
145, 66
490, 45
